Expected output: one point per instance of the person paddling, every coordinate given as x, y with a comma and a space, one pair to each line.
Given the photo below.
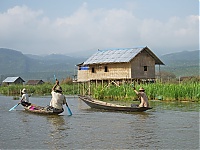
143, 97
58, 99
25, 98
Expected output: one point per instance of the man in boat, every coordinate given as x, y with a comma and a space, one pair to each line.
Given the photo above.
25, 98
143, 97
58, 99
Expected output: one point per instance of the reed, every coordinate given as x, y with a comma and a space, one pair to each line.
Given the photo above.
167, 91
43, 89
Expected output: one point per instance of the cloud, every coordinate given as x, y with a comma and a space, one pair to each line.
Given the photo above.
31, 31
174, 34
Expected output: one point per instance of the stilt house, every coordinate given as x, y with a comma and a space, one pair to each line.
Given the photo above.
119, 64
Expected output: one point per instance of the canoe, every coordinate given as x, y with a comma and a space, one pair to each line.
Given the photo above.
93, 103
40, 110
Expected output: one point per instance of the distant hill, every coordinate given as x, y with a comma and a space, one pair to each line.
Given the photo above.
53, 62
185, 63
14, 63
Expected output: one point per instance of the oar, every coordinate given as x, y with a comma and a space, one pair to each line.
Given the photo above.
18, 104
14, 107
55, 77
68, 109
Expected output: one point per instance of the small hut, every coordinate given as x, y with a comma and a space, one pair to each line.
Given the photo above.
34, 82
13, 80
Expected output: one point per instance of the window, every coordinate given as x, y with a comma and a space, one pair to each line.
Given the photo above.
106, 69
93, 71
145, 68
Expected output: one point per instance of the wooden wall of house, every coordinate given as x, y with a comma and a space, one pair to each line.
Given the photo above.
105, 71
143, 66
19, 81
82, 75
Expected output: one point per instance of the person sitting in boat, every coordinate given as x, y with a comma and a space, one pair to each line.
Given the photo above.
58, 99
25, 98
143, 97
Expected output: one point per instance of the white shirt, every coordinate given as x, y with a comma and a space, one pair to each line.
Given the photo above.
58, 100
25, 97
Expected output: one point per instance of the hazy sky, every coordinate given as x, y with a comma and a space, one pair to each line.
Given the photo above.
66, 26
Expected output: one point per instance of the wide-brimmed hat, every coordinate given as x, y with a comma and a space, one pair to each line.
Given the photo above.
24, 90
58, 88
141, 89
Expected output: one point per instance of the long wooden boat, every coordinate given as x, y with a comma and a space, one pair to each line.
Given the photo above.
40, 110
93, 103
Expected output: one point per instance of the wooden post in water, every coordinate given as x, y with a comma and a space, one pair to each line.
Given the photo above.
78, 89
159, 73
89, 88
96, 83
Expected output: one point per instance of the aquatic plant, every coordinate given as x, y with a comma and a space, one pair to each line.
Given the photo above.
167, 91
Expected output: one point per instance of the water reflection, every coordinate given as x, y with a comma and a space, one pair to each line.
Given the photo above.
143, 115
143, 131
159, 105
26, 121
57, 131
56, 120
176, 106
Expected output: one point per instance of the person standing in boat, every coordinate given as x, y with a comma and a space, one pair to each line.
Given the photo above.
143, 97
25, 98
58, 99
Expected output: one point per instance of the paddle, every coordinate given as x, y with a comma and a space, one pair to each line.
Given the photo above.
14, 107
18, 104
55, 77
68, 109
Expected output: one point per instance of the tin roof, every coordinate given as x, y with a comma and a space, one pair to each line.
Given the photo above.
119, 55
33, 82
12, 79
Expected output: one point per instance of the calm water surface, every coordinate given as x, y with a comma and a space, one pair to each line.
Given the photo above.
166, 126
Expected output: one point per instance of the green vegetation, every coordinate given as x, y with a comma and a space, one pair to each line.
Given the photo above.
167, 91
185, 91
44, 89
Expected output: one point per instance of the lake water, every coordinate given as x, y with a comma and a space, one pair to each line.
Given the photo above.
166, 126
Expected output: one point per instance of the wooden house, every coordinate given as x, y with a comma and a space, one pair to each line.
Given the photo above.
13, 80
119, 64
34, 82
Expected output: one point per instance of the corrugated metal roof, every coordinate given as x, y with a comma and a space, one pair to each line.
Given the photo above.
10, 79
113, 55
34, 82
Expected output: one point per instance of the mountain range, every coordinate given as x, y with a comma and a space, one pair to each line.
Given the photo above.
27, 66
185, 63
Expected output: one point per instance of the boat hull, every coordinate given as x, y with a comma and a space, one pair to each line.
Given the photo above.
109, 106
39, 110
